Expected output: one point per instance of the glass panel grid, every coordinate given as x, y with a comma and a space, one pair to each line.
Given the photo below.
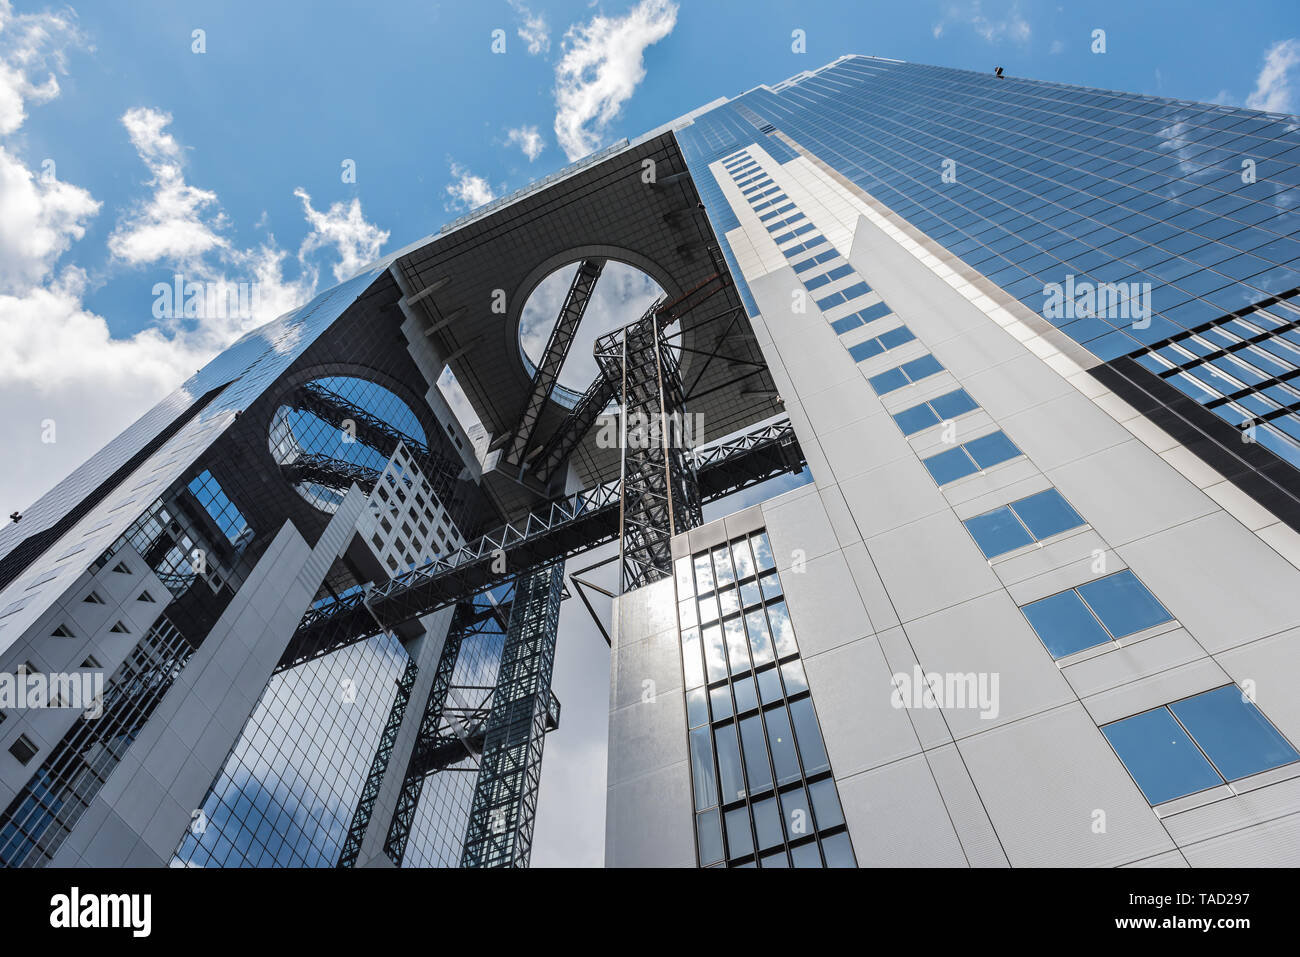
762, 783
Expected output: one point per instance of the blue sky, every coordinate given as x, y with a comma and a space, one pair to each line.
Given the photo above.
126, 156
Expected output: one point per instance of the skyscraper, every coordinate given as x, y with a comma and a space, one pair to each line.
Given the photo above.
1031, 343
1039, 347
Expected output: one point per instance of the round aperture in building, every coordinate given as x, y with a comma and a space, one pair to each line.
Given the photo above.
332, 431
621, 295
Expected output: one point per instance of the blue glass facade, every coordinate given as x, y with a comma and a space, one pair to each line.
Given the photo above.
1161, 235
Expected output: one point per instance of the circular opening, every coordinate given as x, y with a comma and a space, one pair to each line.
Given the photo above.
622, 294
298, 432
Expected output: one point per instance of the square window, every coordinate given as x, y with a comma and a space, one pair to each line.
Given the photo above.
1047, 513
795, 681
1064, 624
760, 639
1160, 756
915, 419
896, 337
997, 532
806, 856
922, 367
887, 382
872, 313
1232, 731
865, 350
744, 561
838, 851
842, 326
989, 450
953, 404
697, 708
1123, 604
737, 646
23, 749
703, 573
949, 466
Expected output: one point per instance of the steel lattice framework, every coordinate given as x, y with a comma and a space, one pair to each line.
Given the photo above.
378, 767
557, 349
563, 528
330, 472
466, 619
659, 496
500, 832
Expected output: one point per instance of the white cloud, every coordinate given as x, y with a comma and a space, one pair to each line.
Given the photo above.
468, 191
345, 228
58, 359
171, 225
40, 218
601, 68
528, 139
1013, 26
532, 29
1057, 47
1274, 87
31, 43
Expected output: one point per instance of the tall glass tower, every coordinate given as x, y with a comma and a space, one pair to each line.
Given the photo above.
1040, 346
1033, 351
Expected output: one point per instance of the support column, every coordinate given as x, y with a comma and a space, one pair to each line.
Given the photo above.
500, 832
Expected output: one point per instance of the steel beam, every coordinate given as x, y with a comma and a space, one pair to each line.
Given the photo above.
557, 349
378, 768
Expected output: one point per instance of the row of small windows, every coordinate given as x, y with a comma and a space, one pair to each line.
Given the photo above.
1244, 369
794, 217
1211, 738
891, 379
